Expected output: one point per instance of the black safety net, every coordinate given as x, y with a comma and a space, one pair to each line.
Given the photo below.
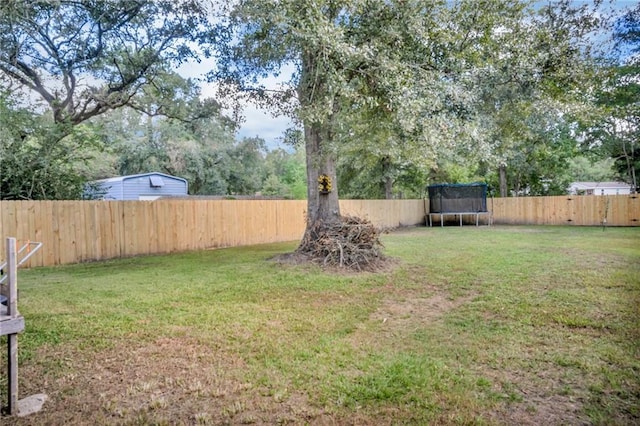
458, 198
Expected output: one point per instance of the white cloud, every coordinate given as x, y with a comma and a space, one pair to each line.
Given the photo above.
261, 123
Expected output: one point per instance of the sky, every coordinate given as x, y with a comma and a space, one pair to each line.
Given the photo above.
256, 121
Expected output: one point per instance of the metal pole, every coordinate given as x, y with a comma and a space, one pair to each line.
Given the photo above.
12, 311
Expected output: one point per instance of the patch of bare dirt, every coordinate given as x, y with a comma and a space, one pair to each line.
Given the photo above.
542, 401
537, 410
590, 260
403, 311
416, 311
410, 231
167, 381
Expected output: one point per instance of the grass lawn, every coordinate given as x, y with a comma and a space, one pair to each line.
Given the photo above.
488, 325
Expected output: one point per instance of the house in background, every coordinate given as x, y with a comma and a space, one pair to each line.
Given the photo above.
145, 186
600, 188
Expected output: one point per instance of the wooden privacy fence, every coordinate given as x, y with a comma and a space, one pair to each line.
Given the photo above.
78, 231
584, 210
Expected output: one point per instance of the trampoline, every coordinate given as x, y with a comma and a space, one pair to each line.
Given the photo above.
458, 200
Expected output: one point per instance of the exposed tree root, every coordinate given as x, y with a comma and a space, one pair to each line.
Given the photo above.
351, 243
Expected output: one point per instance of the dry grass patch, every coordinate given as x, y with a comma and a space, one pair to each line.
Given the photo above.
166, 381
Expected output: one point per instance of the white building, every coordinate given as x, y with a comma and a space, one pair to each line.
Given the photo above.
600, 188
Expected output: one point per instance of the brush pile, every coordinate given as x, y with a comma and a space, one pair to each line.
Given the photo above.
350, 243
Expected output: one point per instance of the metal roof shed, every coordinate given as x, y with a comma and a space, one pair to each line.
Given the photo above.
145, 186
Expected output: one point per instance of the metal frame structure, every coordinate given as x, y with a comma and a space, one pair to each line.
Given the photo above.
11, 322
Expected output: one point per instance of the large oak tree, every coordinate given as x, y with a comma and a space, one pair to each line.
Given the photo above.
406, 67
83, 58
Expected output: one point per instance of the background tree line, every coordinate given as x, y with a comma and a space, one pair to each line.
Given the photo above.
388, 96
126, 141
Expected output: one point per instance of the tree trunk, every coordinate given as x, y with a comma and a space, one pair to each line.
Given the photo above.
388, 180
503, 180
322, 200
321, 205
631, 170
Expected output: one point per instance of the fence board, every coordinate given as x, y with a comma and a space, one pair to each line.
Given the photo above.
633, 211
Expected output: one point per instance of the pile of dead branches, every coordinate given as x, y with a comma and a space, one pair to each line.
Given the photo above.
351, 243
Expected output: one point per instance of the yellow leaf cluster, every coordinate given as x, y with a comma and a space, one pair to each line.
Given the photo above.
324, 183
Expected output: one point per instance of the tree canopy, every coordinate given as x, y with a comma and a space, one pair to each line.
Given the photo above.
83, 58
388, 94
